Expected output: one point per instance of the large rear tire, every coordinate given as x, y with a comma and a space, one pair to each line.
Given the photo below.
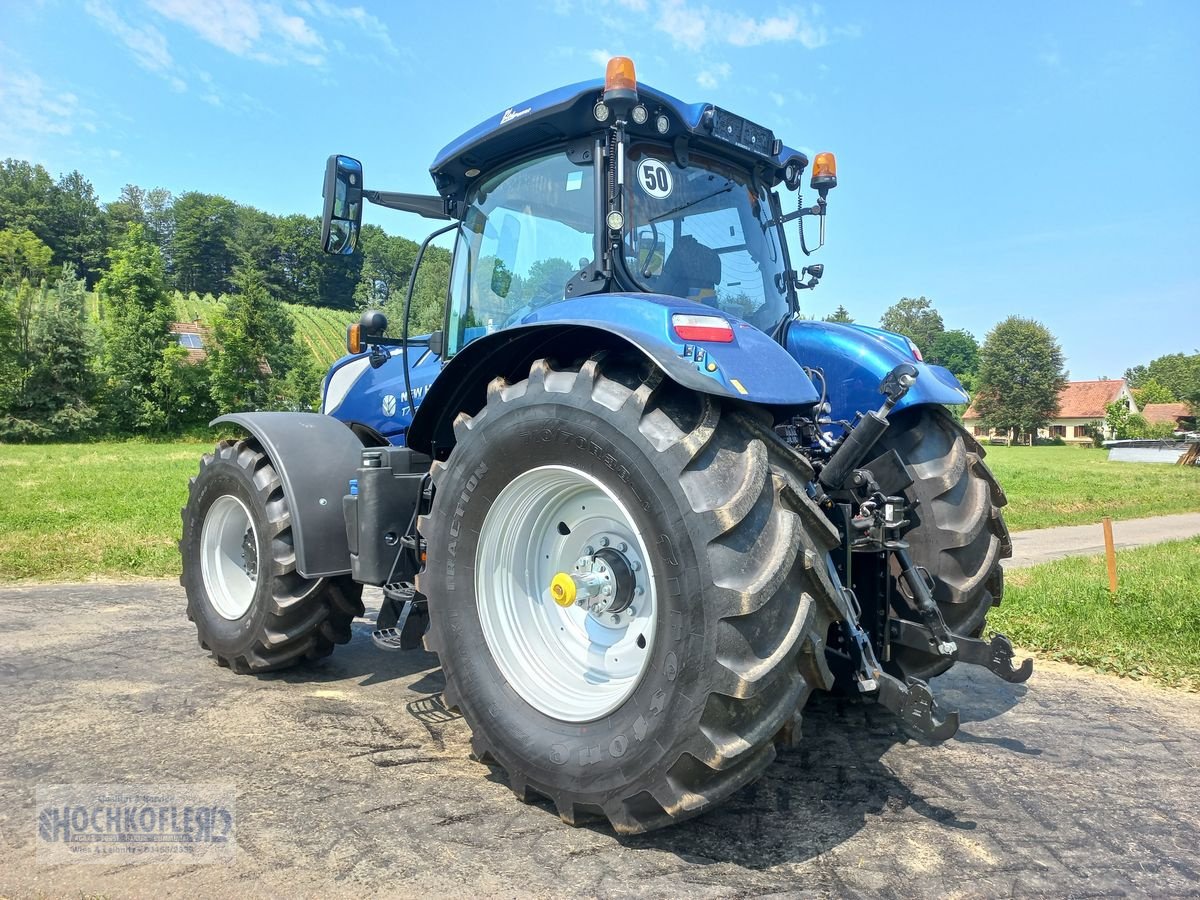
655, 715
253, 611
962, 536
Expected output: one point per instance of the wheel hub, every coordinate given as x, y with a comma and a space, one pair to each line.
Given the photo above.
229, 557
565, 593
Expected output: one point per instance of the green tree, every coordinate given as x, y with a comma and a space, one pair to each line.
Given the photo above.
58, 396
1020, 376
1153, 391
1180, 374
841, 314
203, 245
916, 319
151, 209
254, 353
1116, 417
27, 197
183, 386
957, 350
78, 227
23, 256
138, 314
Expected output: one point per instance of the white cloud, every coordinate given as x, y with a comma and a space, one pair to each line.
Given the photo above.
694, 26
714, 75
32, 111
639, 5
145, 42
599, 57
777, 98
246, 28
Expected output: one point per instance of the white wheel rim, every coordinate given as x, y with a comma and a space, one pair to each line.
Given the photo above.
568, 663
228, 566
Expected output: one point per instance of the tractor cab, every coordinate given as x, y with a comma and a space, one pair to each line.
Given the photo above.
606, 187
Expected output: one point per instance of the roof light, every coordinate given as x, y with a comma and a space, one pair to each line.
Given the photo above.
824, 171
713, 329
639, 115
600, 111
620, 80
663, 124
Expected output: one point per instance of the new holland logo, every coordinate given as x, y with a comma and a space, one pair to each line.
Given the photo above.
389, 405
510, 114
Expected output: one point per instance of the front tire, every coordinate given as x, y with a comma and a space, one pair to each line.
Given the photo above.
962, 536
654, 718
253, 611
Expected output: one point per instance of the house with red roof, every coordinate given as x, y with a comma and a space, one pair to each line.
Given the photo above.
1179, 415
1080, 404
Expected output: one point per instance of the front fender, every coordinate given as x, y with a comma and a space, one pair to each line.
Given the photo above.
752, 368
855, 360
315, 456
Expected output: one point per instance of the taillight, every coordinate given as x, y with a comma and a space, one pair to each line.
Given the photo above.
713, 329
916, 351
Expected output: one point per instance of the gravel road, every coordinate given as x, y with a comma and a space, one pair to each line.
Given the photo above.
352, 781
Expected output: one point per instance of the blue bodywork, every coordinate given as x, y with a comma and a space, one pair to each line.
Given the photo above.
855, 359
358, 394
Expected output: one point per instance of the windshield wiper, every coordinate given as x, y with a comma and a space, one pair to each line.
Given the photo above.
670, 212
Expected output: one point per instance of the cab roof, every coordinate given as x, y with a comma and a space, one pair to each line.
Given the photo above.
565, 114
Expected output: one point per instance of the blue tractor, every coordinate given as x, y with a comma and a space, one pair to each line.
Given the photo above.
637, 506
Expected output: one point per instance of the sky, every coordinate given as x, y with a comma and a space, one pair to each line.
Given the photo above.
1027, 158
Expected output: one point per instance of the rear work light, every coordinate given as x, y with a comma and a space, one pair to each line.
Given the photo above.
713, 329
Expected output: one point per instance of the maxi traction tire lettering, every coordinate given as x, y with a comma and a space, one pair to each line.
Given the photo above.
962, 537
291, 619
738, 551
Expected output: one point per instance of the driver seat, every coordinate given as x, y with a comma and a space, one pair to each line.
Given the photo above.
692, 271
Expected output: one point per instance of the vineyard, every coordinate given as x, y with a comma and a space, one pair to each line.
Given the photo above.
320, 330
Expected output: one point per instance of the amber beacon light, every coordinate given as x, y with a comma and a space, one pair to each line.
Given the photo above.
620, 80
824, 171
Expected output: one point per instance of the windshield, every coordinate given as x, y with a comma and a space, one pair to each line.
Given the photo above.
703, 233
527, 230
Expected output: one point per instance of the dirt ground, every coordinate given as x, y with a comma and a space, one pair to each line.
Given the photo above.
351, 781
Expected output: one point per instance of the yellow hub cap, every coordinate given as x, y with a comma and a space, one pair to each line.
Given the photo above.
562, 589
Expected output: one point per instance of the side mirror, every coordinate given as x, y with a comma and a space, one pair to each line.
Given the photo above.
341, 216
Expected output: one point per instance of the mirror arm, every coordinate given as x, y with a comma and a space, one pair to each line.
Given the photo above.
817, 209
429, 206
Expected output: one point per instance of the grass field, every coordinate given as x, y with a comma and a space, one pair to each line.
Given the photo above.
1150, 628
80, 511
74, 512
1049, 486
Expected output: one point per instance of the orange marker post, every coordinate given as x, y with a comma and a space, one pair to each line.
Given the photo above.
1110, 556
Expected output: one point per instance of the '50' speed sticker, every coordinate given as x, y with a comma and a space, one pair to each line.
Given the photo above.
655, 178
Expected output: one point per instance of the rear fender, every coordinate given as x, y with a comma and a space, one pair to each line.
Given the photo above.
753, 368
855, 360
315, 456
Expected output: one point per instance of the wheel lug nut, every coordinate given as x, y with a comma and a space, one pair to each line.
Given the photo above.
638, 591
622, 546
634, 564
604, 542
589, 550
